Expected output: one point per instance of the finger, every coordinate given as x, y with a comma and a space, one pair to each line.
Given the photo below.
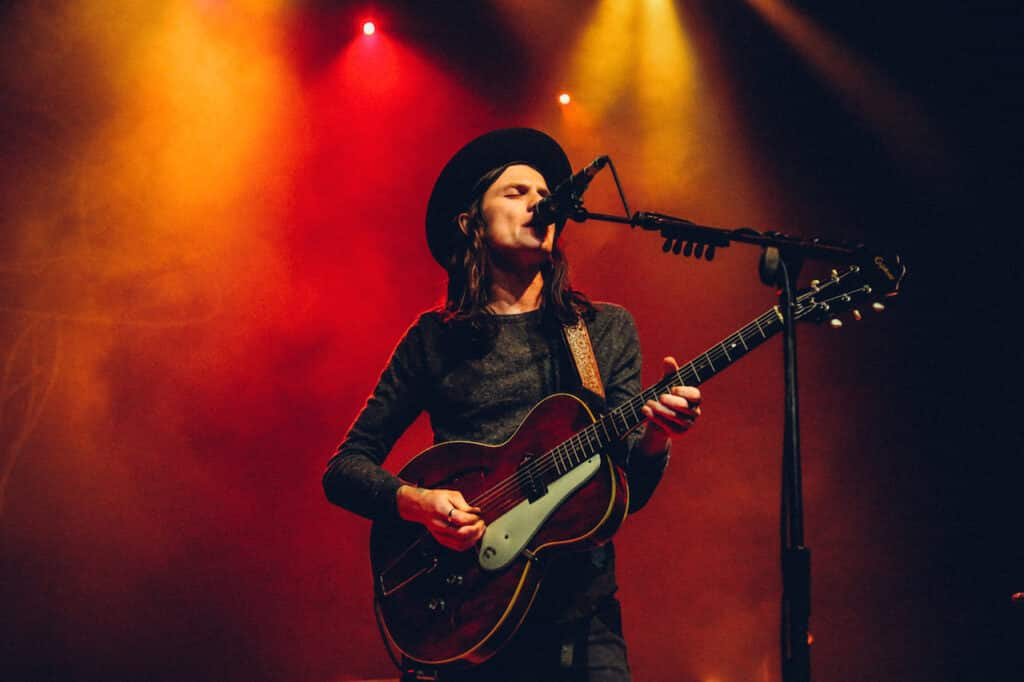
690, 393
672, 408
677, 403
669, 427
670, 364
473, 532
458, 519
459, 539
458, 501
450, 509
670, 420
659, 419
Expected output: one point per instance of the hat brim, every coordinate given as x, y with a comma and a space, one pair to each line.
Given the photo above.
453, 190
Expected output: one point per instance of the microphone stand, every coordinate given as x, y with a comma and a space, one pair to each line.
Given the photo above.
779, 267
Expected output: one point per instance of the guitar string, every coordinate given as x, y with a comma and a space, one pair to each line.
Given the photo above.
508, 491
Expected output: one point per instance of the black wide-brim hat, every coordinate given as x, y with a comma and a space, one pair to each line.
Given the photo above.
454, 189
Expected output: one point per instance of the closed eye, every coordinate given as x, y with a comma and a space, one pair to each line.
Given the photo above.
520, 190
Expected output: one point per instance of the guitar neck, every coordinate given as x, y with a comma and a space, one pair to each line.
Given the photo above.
615, 425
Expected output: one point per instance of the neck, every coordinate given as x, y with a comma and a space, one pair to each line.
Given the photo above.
515, 291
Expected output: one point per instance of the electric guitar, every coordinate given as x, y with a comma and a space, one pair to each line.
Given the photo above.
547, 489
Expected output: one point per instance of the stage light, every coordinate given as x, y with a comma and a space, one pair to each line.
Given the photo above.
564, 98
369, 28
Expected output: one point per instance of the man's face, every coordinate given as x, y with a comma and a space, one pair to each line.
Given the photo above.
507, 211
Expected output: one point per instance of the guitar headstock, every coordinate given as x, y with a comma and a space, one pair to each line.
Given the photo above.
857, 286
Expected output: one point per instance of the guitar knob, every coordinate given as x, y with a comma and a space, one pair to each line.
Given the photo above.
455, 580
856, 315
835, 323
436, 605
878, 307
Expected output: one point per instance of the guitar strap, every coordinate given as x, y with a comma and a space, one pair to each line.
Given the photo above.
582, 351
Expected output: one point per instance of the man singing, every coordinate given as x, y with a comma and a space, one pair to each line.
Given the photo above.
478, 364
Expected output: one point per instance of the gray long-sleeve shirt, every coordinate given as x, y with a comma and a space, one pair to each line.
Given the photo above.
481, 391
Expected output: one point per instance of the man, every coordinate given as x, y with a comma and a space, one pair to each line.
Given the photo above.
479, 364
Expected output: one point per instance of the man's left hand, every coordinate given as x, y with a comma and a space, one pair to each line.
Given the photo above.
673, 413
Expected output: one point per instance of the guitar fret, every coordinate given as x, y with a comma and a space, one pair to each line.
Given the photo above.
576, 450
710, 364
758, 323
726, 351
743, 341
695, 373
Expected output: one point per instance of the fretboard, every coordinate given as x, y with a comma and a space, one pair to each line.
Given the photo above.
616, 424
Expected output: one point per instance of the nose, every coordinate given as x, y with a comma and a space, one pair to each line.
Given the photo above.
532, 208
535, 197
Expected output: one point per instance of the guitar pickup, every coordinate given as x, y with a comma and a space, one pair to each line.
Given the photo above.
530, 482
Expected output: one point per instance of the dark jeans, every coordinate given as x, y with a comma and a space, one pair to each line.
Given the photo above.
591, 650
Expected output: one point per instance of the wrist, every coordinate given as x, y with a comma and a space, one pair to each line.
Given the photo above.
407, 501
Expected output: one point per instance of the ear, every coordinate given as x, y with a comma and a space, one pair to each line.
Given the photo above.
463, 221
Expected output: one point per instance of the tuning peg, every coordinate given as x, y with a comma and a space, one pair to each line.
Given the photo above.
835, 323
834, 274
878, 307
815, 284
856, 315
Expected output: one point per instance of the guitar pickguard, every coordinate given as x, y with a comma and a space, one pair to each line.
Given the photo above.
508, 535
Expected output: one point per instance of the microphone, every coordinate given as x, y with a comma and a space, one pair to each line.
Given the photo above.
563, 201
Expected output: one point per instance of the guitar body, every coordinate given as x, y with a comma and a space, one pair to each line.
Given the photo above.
440, 607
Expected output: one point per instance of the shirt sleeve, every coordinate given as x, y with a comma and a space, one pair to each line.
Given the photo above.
354, 478
643, 472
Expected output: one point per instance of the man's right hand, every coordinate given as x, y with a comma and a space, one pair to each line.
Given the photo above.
445, 513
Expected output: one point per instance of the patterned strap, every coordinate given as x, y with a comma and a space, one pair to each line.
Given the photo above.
578, 339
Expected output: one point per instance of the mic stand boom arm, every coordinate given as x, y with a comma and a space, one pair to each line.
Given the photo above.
680, 229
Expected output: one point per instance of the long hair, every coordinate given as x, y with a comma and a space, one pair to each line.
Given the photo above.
469, 274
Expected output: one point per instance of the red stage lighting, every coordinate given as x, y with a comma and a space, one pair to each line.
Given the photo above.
564, 98
369, 28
